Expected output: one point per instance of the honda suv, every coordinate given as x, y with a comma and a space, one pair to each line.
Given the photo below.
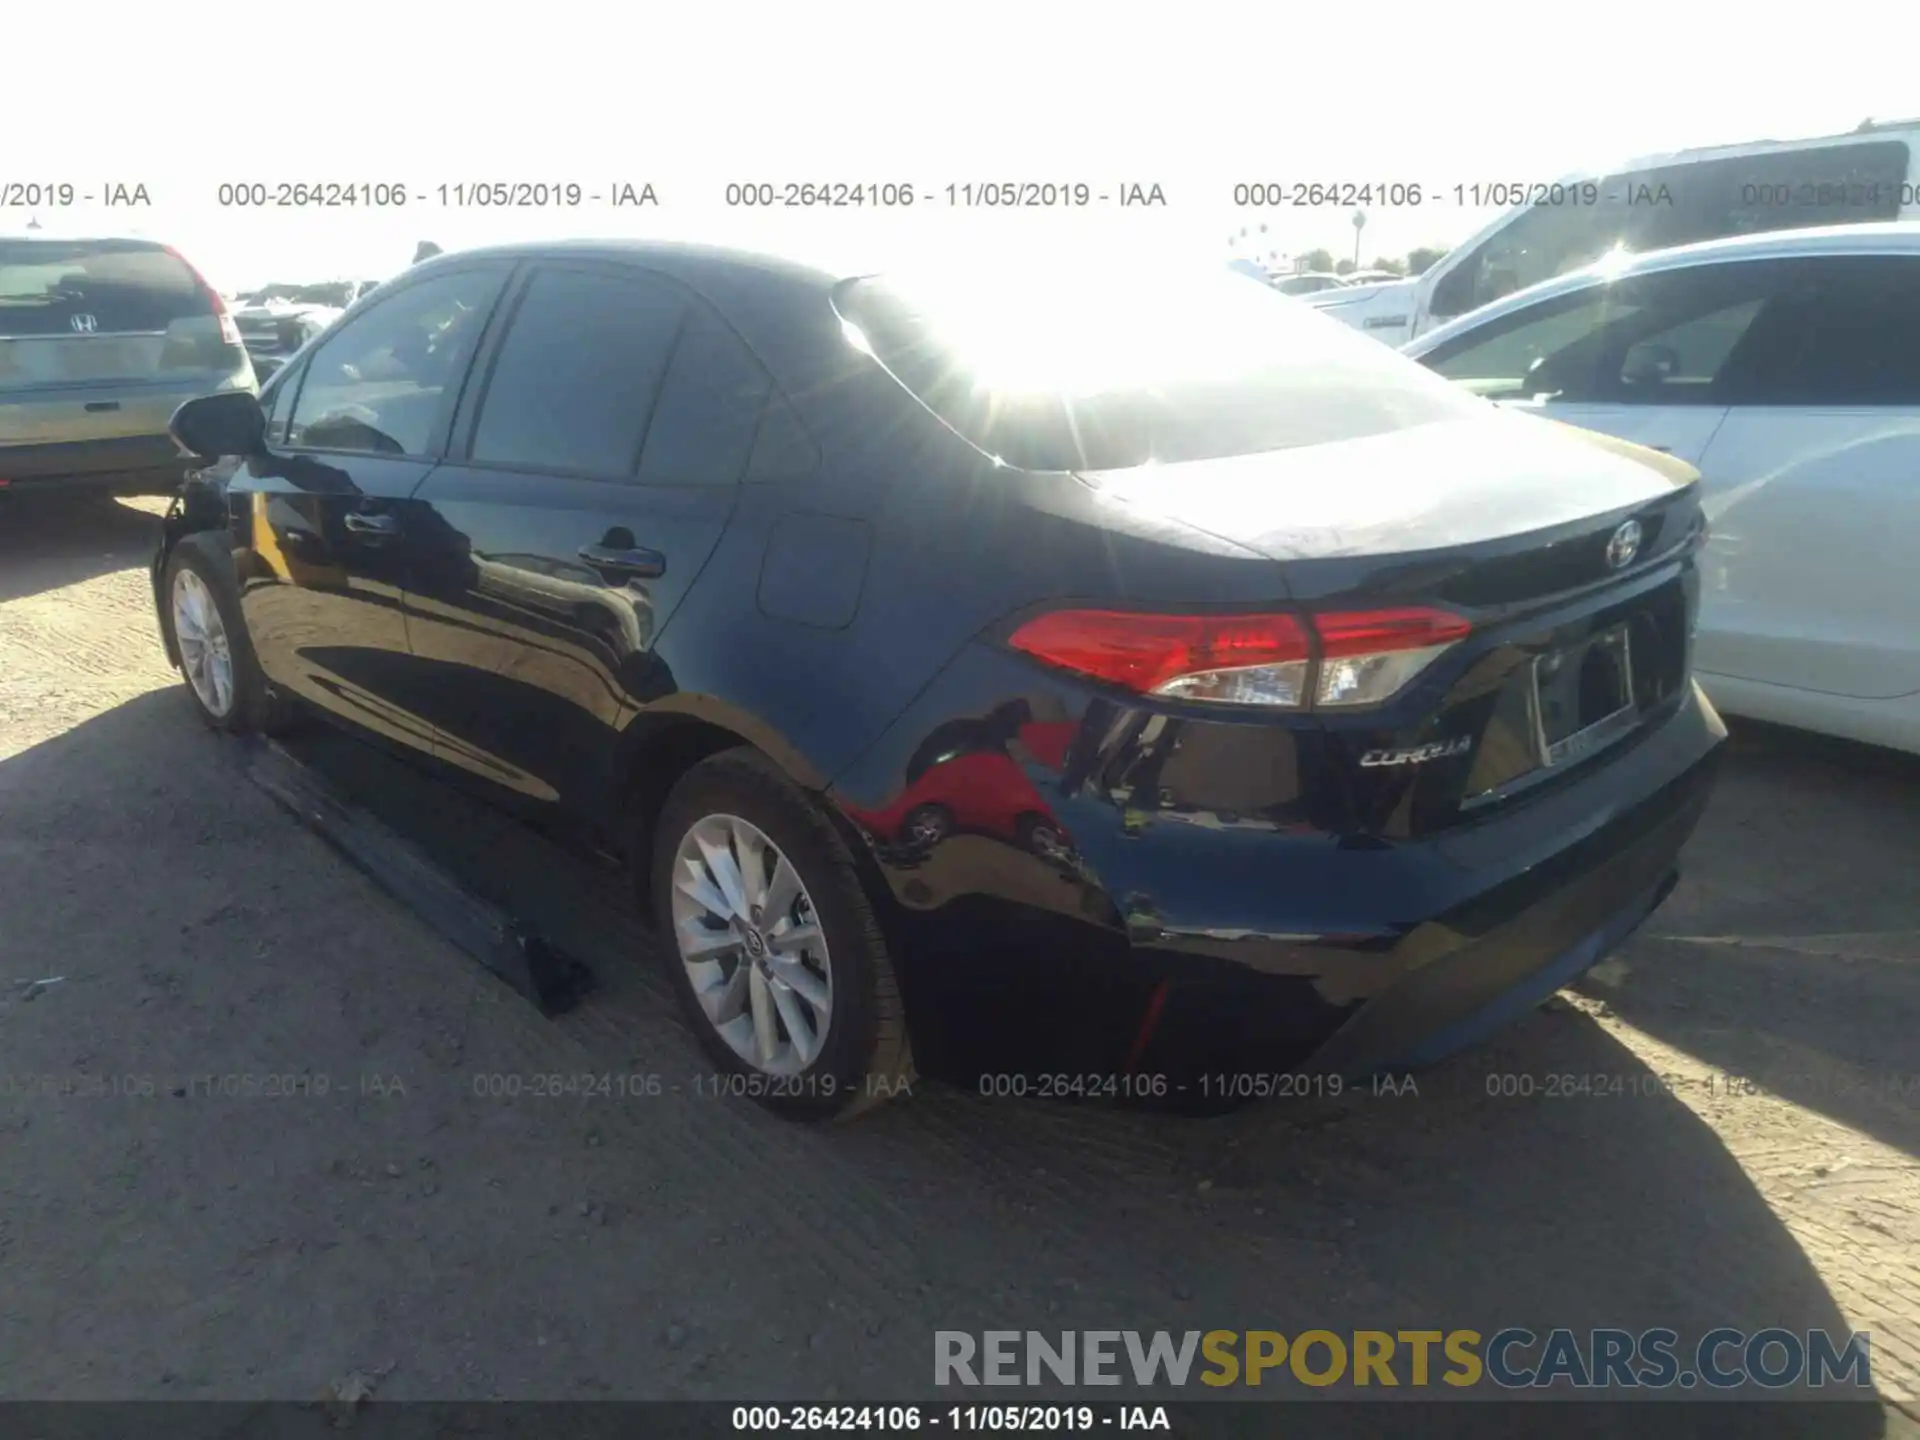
100, 342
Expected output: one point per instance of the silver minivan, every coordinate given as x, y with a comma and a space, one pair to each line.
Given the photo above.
100, 341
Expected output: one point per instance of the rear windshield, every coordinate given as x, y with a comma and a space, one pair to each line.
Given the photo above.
66, 287
1074, 373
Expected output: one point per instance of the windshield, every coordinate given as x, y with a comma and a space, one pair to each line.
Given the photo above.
94, 287
1074, 372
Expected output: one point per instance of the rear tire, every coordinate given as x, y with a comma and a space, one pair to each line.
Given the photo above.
772, 943
217, 661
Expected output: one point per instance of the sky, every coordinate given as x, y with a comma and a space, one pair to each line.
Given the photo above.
1193, 98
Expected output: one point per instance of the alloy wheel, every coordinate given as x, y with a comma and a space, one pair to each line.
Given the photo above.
201, 634
750, 940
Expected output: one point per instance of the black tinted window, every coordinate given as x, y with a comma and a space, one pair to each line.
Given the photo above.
1072, 372
378, 383
63, 287
1656, 209
708, 414
583, 365
1843, 332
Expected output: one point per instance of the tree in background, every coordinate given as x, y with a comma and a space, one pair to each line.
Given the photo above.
1392, 267
1424, 259
1318, 261
1345, 267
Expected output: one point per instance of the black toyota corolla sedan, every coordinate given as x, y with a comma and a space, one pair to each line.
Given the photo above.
1155, 686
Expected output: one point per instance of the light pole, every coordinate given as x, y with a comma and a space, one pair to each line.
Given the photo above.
1359, 224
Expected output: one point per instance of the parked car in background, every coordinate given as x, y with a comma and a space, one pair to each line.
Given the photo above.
279, 319
100, 341
1370, 277
1653, 203
1786, 367
931, 665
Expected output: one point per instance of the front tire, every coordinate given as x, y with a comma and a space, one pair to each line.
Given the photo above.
217, 660
773, 945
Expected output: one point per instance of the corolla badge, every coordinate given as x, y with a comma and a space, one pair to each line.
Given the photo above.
1417, 754
1624, 545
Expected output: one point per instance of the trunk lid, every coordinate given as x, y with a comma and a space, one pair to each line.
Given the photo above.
1580, 640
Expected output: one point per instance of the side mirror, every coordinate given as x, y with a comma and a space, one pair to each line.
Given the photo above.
230, 423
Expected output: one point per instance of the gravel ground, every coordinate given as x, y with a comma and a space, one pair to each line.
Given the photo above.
459, 1244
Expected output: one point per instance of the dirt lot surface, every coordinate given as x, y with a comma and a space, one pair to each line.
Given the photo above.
175, 1240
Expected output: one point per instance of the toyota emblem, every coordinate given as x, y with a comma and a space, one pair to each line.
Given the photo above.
1623, 546
85, 324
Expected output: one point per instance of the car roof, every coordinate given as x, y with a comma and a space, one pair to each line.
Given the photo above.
707, 268
44, 236
778, 305
1886, 237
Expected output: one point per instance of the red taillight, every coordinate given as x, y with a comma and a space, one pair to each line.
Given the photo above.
1167, 654
1332, 660
1367, 632
229, 329
214, 297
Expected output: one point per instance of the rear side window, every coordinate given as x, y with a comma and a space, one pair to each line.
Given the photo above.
55, 287
1069, 373
619, 377
1843, 332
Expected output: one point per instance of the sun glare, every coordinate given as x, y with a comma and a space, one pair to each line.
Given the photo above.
1084, 334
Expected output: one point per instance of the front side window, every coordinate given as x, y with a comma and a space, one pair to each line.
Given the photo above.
1657, 209
1071, 372
1663, 339
378, 384
275, 401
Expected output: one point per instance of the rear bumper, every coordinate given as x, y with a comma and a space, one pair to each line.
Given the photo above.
1441, 984
1611, 884
1170, 934
137, 465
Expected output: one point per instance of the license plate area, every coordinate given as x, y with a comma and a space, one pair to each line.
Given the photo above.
1583, 697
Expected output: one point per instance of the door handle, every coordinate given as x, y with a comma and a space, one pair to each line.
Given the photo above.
372, 525
1663, 449
635, 564
101, 407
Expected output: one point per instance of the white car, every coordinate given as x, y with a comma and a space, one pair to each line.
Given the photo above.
1786, 368
1652, 203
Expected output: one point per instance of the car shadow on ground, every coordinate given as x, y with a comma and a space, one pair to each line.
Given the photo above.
1447, 1198
48, 543
727, 1235
1789, 960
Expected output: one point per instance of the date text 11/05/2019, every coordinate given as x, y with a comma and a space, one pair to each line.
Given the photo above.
448, 195
953, 195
